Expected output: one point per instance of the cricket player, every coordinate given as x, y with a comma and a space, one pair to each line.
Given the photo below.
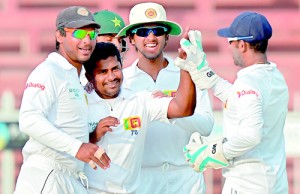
111, 23
124, 118
252, 152
54, 112
164, 169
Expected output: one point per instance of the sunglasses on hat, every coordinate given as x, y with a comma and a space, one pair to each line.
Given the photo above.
81, 34
145, 31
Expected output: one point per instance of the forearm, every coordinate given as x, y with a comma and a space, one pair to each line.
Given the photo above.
40, 129
202, 123
184, 102
222, 89
248, 132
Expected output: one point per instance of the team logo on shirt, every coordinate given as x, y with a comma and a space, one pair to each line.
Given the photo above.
74, 93
171, 93
92, 125
133, 124
246, 92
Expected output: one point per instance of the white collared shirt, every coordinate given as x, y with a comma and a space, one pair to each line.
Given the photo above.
125, 144
54, 112
254, 118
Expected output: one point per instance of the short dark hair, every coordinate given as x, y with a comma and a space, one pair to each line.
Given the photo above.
102, 51
260, 47
62, 33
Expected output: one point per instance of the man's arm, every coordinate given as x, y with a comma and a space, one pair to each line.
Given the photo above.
184, 102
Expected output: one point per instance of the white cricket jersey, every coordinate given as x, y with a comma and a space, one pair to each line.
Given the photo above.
254, 118
54, 112
125, 144
165, 141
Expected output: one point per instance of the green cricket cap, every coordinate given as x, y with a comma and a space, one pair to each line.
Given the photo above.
111, 22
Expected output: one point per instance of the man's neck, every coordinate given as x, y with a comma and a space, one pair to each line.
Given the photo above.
152, 67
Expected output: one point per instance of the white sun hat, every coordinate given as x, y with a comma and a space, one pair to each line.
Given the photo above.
145, 13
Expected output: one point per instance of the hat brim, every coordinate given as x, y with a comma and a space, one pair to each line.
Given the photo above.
225, 32
80, 24
175, 28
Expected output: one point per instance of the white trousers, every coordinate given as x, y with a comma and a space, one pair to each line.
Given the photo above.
170, 179
40, 175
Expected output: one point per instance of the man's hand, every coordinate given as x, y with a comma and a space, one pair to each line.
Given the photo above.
93, 154
195, 61
201, 155
102, 127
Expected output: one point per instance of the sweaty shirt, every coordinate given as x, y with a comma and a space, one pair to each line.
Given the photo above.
54, 112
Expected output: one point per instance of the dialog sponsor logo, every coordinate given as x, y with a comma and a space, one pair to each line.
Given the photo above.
246, 92
35, 85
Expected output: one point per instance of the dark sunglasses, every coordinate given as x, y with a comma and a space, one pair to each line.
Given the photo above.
144, 31
81, 34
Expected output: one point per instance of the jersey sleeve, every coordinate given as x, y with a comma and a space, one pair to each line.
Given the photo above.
202, 120
222, 89
157, 107
39, 97
249, 118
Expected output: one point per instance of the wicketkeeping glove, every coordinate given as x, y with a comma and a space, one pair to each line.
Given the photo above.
195, 63
202, 155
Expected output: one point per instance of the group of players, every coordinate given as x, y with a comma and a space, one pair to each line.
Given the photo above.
97, 127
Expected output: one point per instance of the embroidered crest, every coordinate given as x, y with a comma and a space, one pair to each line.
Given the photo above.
82, 11
150, 13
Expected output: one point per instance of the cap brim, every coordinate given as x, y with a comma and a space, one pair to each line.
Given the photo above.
225, 32
80, 24
175, 28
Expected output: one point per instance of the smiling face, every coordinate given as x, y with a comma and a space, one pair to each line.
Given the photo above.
76, 50
108, 77
151, 46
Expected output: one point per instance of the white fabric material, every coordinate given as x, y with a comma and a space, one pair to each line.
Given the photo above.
54, 115
167, 178
54, 112
254, 118
43, 175
124, 146
164, 141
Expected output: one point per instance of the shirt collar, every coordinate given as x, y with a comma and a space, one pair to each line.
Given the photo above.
93, 97
60, 61
169, 67
254, 67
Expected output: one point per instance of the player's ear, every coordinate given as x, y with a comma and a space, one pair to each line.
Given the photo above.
123, 45
167, 37
131, 40
166, 40
58, 36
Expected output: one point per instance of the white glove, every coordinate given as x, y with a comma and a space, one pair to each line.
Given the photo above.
195, 63
202, 155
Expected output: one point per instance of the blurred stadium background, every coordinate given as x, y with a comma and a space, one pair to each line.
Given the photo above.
27, 36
